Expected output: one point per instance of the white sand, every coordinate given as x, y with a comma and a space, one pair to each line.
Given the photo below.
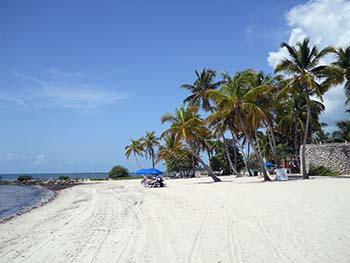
194, 220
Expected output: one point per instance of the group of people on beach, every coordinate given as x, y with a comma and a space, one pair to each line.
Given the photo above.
152, 181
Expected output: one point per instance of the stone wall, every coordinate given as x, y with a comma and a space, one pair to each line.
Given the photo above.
335, 156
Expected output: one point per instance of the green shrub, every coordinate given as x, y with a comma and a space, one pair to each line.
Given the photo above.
322, 171
118, 171
23, 178
63, 177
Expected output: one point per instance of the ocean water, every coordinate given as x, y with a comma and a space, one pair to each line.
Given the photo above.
12, 177
15, 199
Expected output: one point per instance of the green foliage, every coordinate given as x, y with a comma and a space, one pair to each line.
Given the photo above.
118, 171
220, 161
181, 163
322, 171
216, 163
23, 178
64, 177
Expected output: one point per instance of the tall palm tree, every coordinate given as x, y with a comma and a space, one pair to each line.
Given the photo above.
149, 143
188, 127
307, 77
343, 62
237, 98
205, 81
266, 99
135, 148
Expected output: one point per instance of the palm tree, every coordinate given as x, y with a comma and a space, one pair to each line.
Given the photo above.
149, 142
307, 78
188, 127
266, 99
343, 62
205, 81
170, 148
237, 98
135, 148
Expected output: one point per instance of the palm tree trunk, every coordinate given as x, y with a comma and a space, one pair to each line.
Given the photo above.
137, 161
233, 169
206, 167
245, 160
235, 154
303, 163
227, 151
295, 141
261, 160
193, 166
274, 144
152, 157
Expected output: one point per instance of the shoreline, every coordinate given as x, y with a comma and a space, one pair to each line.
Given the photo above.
52, 192
28, 209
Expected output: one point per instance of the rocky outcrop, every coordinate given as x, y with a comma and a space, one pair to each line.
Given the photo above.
335, 156
51, 184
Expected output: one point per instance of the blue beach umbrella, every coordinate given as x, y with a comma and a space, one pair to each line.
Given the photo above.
153, 171
141, 171
149, 171
269, 164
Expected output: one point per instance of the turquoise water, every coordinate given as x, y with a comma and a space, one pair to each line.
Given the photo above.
15, 199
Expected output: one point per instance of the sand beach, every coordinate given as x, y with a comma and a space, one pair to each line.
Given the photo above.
190, 220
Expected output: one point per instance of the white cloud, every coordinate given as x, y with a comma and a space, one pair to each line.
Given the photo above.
325, 22
65, 90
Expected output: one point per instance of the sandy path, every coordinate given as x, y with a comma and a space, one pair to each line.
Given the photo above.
239, 220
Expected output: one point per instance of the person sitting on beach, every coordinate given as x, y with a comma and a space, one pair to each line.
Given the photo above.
152, 181
148, 180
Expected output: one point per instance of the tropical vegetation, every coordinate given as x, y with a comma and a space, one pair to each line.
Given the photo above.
238, 122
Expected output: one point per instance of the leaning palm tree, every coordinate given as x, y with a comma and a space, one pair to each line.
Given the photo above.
135, 148
188, 127
343, 62
149, 143
307, 77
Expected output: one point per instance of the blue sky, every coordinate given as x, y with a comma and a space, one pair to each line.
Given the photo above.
79, 78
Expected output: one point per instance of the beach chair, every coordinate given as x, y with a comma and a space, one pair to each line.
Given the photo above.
221, 172
281, 174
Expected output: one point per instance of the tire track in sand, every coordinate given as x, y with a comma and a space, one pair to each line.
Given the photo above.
233, 241
198, 238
